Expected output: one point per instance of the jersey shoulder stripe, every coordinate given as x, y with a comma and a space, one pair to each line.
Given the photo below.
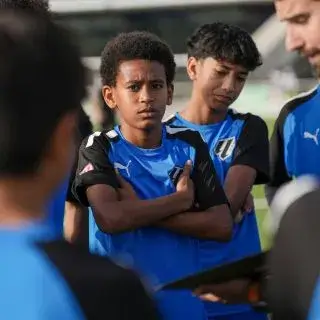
294, 103
298, 100
170, 119
190, 136
104, 138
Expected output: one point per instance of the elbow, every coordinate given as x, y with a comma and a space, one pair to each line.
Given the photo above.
111, 225
226, 232
222, 230
221, 234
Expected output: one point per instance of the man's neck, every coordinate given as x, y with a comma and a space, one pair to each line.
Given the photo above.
198, 112
146, 139
20, 202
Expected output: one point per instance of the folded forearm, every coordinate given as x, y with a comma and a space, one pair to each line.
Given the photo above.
121, 216
214, 224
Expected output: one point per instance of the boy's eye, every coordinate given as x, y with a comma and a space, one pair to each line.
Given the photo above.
157, 86
242, 78
134, 87
221, 72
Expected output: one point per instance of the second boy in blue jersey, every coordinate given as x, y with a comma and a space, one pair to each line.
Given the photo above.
220, 59
153, 214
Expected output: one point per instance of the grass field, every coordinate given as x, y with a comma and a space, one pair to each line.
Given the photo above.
260, 202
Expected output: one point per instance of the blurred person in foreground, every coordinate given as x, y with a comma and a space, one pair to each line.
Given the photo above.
291, 286
63, 195
294, 292
220, 59
47, 279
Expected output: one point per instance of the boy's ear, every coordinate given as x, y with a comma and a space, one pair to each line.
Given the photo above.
192, 64
108, 96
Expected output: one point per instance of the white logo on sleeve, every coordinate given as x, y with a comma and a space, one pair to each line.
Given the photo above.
314, 137
89, 167
91, 138
120, 166
224, 148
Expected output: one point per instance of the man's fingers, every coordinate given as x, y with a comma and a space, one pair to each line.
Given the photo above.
249, 203
210, 297
204, 290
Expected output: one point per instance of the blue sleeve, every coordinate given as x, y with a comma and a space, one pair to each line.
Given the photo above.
278, 167
314, 312
55, 209
32, 289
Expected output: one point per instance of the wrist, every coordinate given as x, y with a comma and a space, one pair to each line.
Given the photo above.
183, 200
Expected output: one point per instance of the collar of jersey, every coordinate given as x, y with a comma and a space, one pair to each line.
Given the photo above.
34, 230
142, 151
200, 127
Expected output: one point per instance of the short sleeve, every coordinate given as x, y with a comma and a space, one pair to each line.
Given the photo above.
208, 190
94, 166
252, 148
84, 130
278, 171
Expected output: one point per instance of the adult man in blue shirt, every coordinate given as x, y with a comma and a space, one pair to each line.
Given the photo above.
220, 59
47, 279
294, 146
163, 204
295, 152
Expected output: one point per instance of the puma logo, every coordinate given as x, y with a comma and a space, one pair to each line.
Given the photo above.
314, 137
120, 166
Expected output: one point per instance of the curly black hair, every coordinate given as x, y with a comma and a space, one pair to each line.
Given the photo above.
226, 42
37, 6
133, 46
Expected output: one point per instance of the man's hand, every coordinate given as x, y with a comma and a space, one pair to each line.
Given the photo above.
234, 291
126, 191
247, 207
249, 204
185, 185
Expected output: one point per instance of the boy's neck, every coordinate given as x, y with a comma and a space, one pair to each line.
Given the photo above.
146, 139
20, 202
198, 112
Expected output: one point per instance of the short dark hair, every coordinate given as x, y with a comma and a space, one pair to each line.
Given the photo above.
36, 6
132, 46
41, 80
224, 42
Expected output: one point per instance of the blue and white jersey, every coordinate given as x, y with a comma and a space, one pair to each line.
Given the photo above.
159, 254
240, 139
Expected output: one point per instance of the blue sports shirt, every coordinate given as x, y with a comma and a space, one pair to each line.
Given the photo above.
55, 280
55, 210
158, 254
314, 311
240, 139
295, 142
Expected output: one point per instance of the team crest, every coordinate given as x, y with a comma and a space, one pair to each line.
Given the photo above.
175, 174
224, 148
